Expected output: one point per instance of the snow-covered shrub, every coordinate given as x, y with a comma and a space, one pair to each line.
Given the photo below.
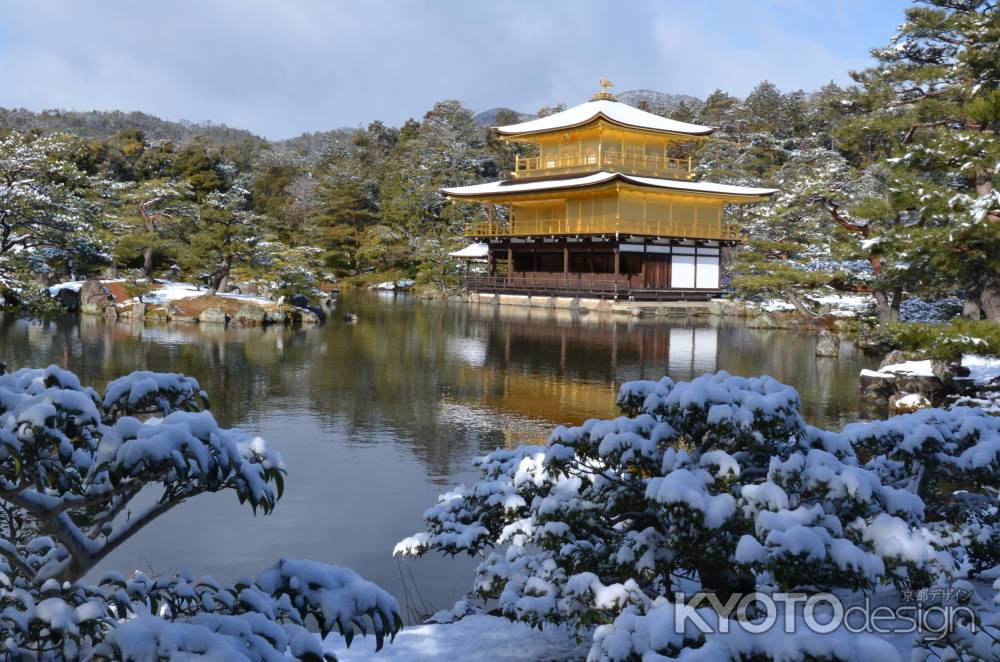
947, 341
72, 462
718, 484
915, 309
635, 636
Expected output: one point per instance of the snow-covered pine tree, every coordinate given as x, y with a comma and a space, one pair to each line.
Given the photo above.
224, 233
932, 108
73, 464
718, 483
47, 223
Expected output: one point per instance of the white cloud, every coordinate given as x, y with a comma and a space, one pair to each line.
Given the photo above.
280, 68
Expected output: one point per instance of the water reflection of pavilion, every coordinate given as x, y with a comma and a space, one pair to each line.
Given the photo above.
547, 370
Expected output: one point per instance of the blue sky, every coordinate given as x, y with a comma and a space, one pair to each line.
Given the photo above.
281, 67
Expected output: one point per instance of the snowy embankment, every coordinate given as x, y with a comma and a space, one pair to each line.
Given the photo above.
840, 305
916, 384
982, 369
162, 292
167, 301
913, 309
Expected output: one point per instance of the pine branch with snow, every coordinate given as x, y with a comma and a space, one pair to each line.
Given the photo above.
72, 464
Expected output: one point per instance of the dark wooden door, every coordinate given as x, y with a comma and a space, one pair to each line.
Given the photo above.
657, 270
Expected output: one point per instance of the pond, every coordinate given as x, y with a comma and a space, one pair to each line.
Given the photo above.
375, 419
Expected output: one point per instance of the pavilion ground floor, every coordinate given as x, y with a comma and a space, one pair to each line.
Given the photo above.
636, 268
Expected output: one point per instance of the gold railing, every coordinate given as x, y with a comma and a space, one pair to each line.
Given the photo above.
539, 228
654, 166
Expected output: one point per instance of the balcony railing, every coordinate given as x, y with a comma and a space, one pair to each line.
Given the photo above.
582, 285
637, 164
652, 228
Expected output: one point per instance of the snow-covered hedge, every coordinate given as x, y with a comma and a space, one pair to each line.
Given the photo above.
718, 484
72, 462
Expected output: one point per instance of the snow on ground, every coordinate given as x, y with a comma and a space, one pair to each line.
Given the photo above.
477, 637
841, 305
917, 368
846, 301
776, 306
169, 291
982, 369
263, 301
164, 291
72, 286
391, 285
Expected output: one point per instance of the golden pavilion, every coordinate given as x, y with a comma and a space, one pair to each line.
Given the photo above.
605, 206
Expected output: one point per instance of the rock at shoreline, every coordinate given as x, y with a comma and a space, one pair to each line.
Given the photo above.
828, 344
304, 317
896, 357
876, 389
766, 321
95, 297
213, 316
905, 403
250, 316
318, 312
68, 299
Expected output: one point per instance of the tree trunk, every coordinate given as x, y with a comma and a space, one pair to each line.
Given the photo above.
982, 299
894, 305
799, 304
972, 309
147, 263
220, 279
724, 581
989, 297
883, 307
150, 224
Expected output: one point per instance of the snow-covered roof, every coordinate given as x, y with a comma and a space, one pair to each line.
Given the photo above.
612, 111
598, 178
472, 251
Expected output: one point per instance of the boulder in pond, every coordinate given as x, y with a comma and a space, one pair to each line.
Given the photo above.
299, 300
828, 344
213, 316
318, 312
251, 316
305, 317
350, 318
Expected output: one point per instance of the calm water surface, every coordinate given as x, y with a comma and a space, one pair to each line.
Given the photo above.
377, 418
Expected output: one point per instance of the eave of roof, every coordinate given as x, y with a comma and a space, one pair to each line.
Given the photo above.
515, 188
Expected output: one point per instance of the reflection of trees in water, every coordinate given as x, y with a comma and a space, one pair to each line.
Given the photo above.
828, 387
450, 382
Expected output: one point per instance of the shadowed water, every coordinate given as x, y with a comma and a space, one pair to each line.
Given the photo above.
375, 419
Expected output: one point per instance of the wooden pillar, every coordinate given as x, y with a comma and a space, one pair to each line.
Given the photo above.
510, 262
617, 256
489, 212
565, 259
